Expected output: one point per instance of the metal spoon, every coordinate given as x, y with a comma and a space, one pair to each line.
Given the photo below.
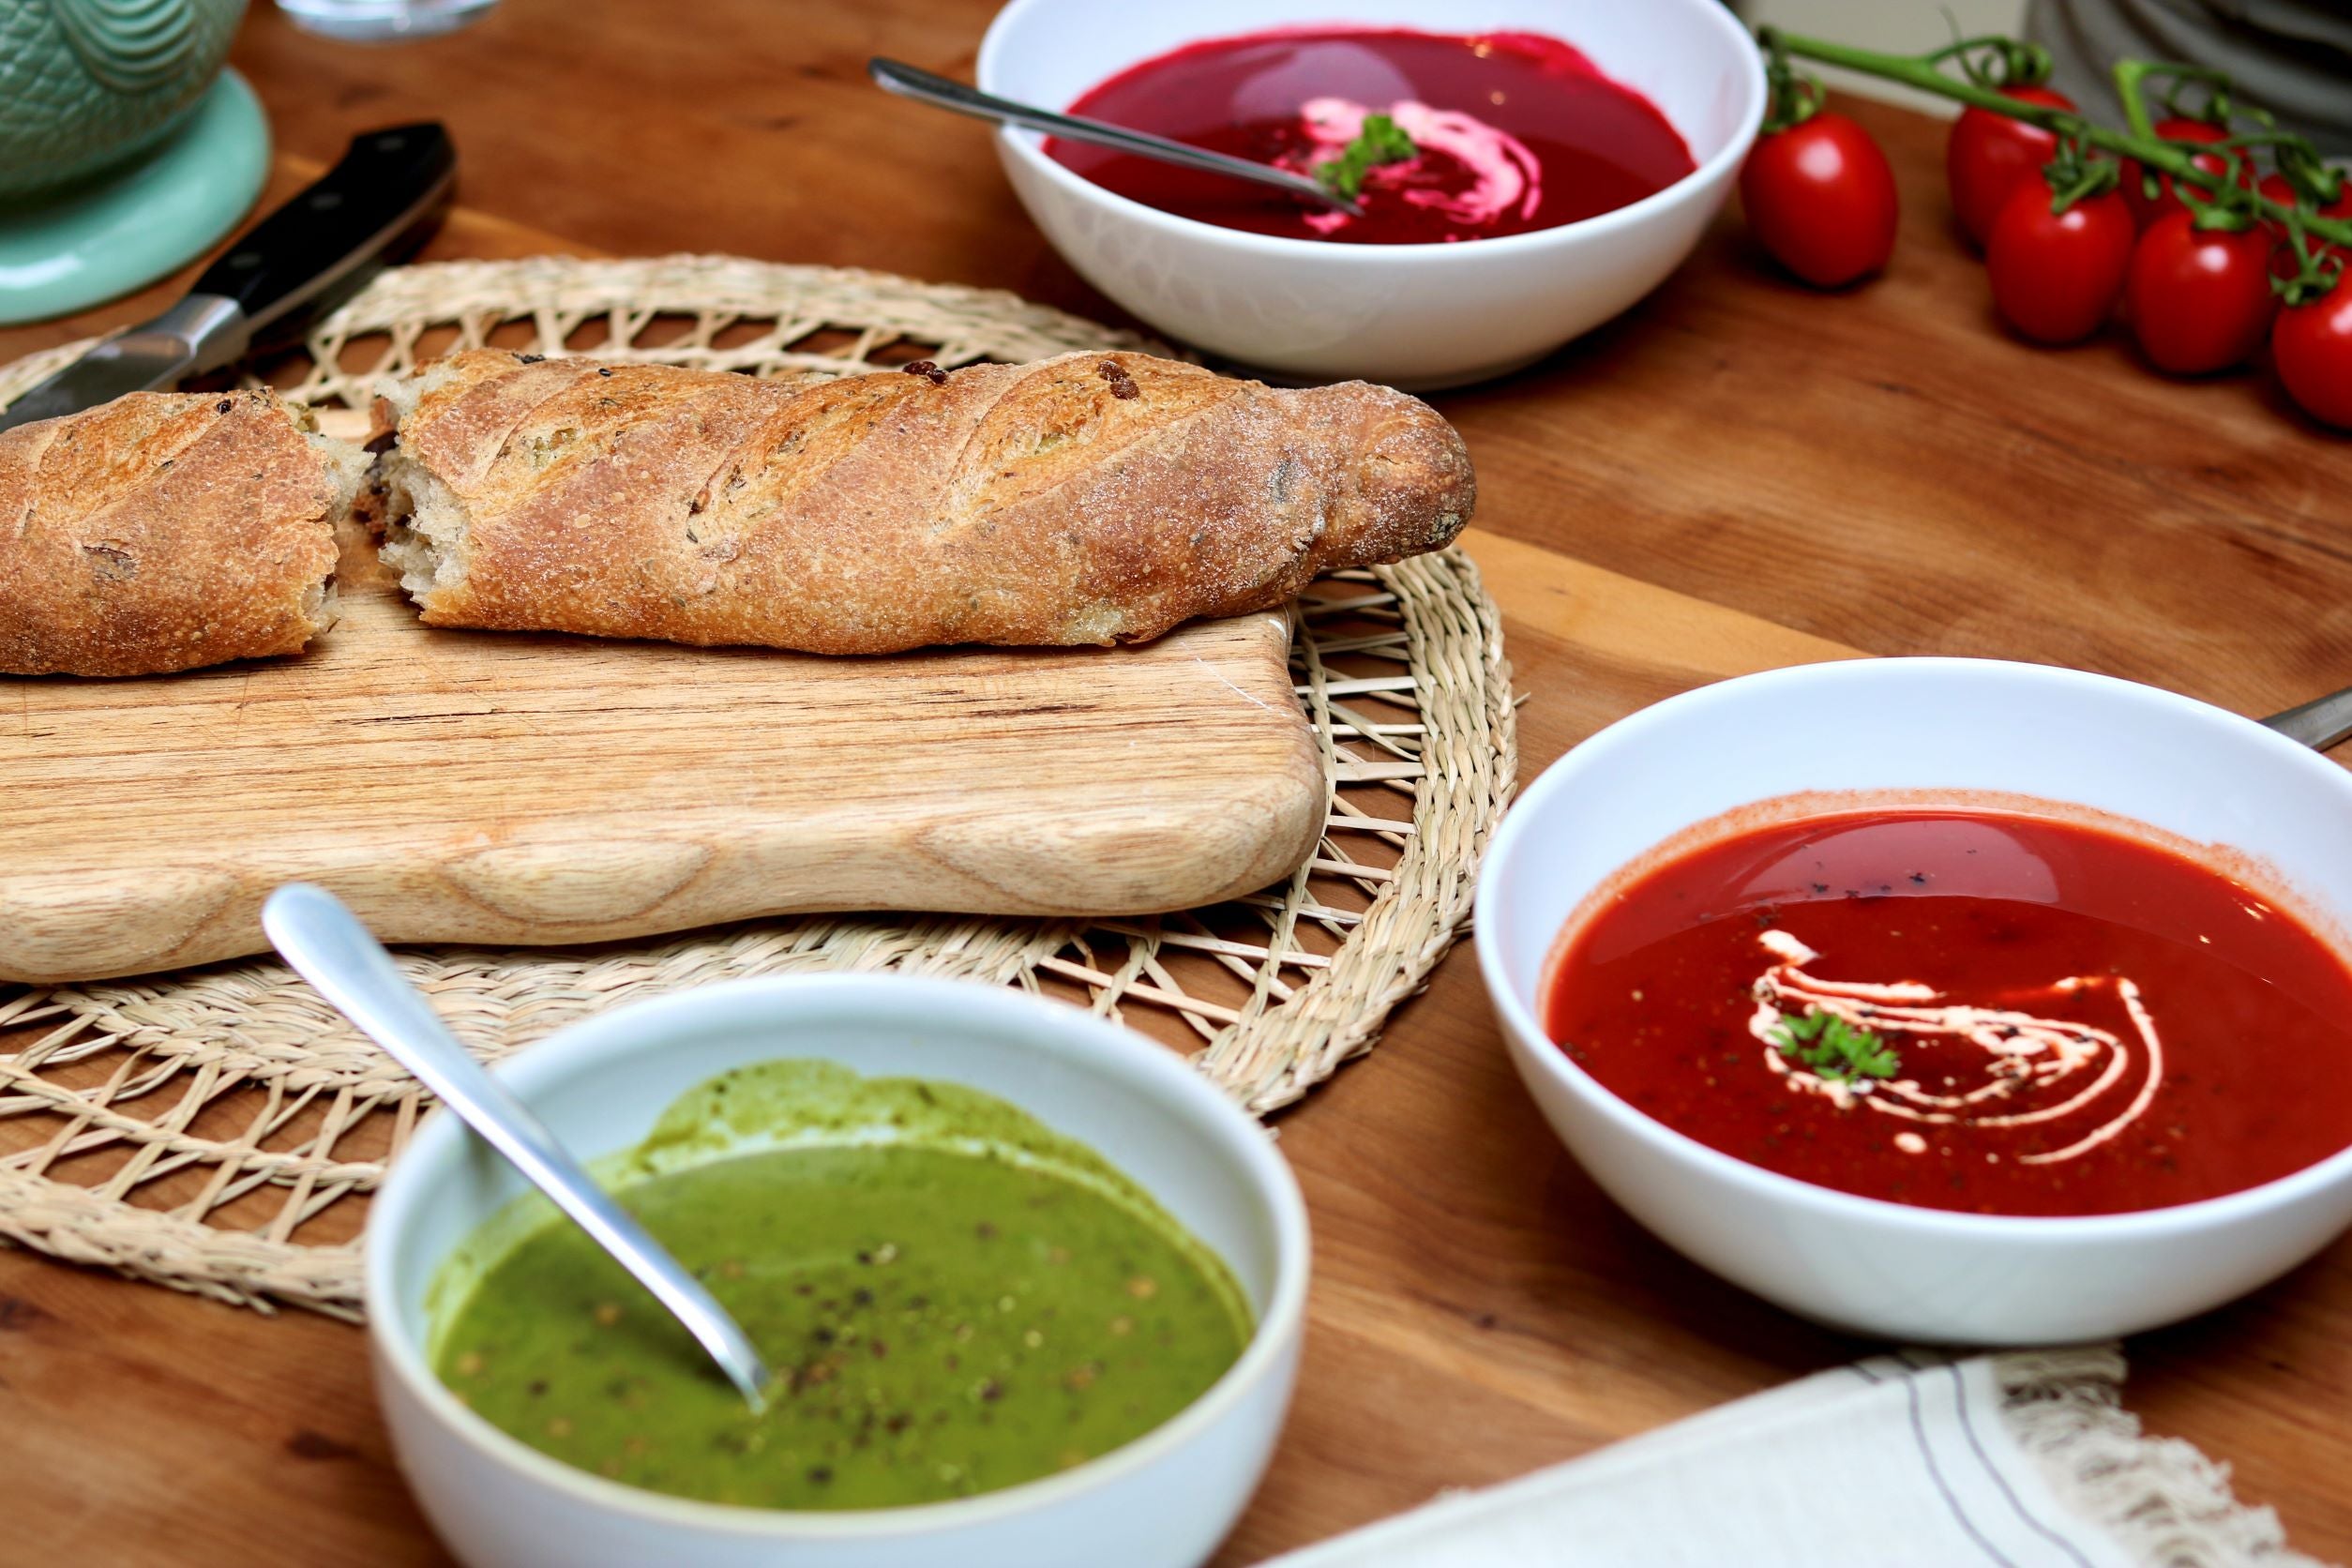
2319, 723
330, 948
895, 76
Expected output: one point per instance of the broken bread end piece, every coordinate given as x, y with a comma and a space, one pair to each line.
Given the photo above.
163, 531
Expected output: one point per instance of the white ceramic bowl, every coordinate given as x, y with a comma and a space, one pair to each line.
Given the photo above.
1166, 1499
1409, 315
1885, 1268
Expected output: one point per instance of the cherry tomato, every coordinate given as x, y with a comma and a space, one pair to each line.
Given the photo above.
2276, 188
2200, 299
2282, 261
2146, 211
1989, 154
1821, 199
2057, 275
2311, 346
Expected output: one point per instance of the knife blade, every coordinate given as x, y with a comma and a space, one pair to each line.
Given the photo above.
269, 288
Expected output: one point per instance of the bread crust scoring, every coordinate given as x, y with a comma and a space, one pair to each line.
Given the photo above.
1094, 498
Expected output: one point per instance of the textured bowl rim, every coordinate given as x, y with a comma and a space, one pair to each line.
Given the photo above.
643, 1026
1027, 146
1524, 1029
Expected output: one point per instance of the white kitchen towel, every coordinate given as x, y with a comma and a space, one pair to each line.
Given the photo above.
2019, 1460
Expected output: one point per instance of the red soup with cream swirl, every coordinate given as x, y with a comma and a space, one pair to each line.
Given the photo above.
1986, 1011
1502, 133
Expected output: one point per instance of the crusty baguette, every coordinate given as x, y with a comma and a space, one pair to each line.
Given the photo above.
1094, 498
161, 532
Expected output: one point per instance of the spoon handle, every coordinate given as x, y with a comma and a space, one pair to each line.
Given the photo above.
2319, 723
328, 946
941, 92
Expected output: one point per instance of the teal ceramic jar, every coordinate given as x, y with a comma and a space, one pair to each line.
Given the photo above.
88, 84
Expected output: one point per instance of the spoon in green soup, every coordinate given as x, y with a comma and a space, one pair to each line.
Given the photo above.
328, 946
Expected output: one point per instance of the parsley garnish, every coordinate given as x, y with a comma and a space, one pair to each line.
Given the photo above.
1379, 142
1827, 1045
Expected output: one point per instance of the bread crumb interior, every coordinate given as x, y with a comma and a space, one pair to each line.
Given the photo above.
424, 523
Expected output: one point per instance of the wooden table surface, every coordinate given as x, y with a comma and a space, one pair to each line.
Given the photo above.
1739, 473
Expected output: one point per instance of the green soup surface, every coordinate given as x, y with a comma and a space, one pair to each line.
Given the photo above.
954, 1298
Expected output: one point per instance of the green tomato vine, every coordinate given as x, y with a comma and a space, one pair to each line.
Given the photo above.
2226, 199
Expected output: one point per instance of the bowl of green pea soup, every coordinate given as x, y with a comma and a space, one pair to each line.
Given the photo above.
1031, 1290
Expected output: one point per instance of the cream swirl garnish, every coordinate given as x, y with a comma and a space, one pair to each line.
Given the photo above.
1505, 174
2023, 1052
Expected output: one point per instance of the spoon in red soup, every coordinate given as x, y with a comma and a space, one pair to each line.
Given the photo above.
2320, 723
941, 92
1447, 137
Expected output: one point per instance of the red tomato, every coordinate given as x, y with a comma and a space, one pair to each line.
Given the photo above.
2311, 346
2282, 261
2199, 300
1821, 199
2057, 275
2145, 211
1989, 154
2276, 188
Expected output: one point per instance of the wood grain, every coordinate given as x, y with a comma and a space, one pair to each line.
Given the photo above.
1727, 480
1883, 466
495, 787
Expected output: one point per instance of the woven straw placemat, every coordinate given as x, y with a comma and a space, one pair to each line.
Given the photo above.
216, 1130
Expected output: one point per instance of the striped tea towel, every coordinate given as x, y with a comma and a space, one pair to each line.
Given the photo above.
2019, 1460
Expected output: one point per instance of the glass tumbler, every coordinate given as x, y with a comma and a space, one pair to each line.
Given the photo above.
382, 21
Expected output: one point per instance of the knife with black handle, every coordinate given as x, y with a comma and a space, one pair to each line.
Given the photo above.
278, 280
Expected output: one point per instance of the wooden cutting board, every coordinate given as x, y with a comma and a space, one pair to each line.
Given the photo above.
494, 788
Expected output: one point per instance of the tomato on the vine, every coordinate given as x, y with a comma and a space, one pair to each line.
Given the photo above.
2276, 188
2146, 209
2311, 346
1989, 155
1821, 199
2200, 299
2284, 261
2057, 275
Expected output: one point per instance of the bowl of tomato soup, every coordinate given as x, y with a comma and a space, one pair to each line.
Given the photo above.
1527, 169
1031, 1290
1947, 1000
